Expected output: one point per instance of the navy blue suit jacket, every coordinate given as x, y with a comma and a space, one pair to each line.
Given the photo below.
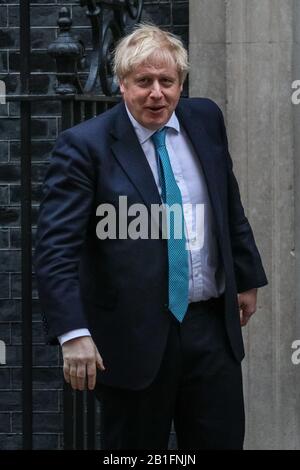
119, 288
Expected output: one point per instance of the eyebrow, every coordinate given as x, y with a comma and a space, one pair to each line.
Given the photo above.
146, 75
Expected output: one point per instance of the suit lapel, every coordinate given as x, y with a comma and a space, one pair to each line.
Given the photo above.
129, 153
207, 152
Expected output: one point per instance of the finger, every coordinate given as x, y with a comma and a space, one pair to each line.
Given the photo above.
243, 317
91, 375
73, 376
66, 371
99, 362
81, 376
246, 318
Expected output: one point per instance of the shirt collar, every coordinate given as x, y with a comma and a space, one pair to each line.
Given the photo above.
143, 134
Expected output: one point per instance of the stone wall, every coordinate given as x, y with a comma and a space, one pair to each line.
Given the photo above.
245, 55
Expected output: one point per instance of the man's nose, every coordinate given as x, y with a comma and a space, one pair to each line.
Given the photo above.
156, 90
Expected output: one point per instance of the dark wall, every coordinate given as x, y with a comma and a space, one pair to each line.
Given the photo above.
47, 374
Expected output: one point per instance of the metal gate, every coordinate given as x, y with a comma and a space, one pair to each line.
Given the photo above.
85, 88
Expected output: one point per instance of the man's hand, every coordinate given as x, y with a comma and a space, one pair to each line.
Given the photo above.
81, 360
247, 304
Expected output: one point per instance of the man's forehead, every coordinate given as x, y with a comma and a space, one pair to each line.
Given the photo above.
165, 67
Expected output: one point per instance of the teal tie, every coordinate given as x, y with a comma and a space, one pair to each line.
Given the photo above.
177, 253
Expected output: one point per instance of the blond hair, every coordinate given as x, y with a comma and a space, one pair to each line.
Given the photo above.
148, 42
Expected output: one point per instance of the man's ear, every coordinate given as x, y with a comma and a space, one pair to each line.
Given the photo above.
122, 86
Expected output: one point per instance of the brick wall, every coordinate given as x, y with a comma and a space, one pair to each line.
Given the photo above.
47, 375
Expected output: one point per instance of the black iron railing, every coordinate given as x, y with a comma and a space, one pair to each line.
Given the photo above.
80, 76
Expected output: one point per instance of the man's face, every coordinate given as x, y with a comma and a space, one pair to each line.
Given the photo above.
151, 93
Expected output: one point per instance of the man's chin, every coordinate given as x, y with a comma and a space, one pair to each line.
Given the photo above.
154, 126
156, 122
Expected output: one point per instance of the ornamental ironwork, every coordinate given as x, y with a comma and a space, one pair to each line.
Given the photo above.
110, 20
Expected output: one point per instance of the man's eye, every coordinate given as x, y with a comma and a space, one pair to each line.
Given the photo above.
167, 81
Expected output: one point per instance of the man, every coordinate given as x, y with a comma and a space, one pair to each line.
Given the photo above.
161, 323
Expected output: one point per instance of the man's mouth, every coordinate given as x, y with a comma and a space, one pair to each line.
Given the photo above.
156, 109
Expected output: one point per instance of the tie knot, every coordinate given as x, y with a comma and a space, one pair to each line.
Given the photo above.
159, 138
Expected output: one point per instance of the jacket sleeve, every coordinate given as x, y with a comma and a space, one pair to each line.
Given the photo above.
64, 214
248, 268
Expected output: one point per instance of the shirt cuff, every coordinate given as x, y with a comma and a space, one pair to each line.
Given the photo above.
73, 334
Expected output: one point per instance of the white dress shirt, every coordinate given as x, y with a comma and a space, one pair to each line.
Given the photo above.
206, 278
